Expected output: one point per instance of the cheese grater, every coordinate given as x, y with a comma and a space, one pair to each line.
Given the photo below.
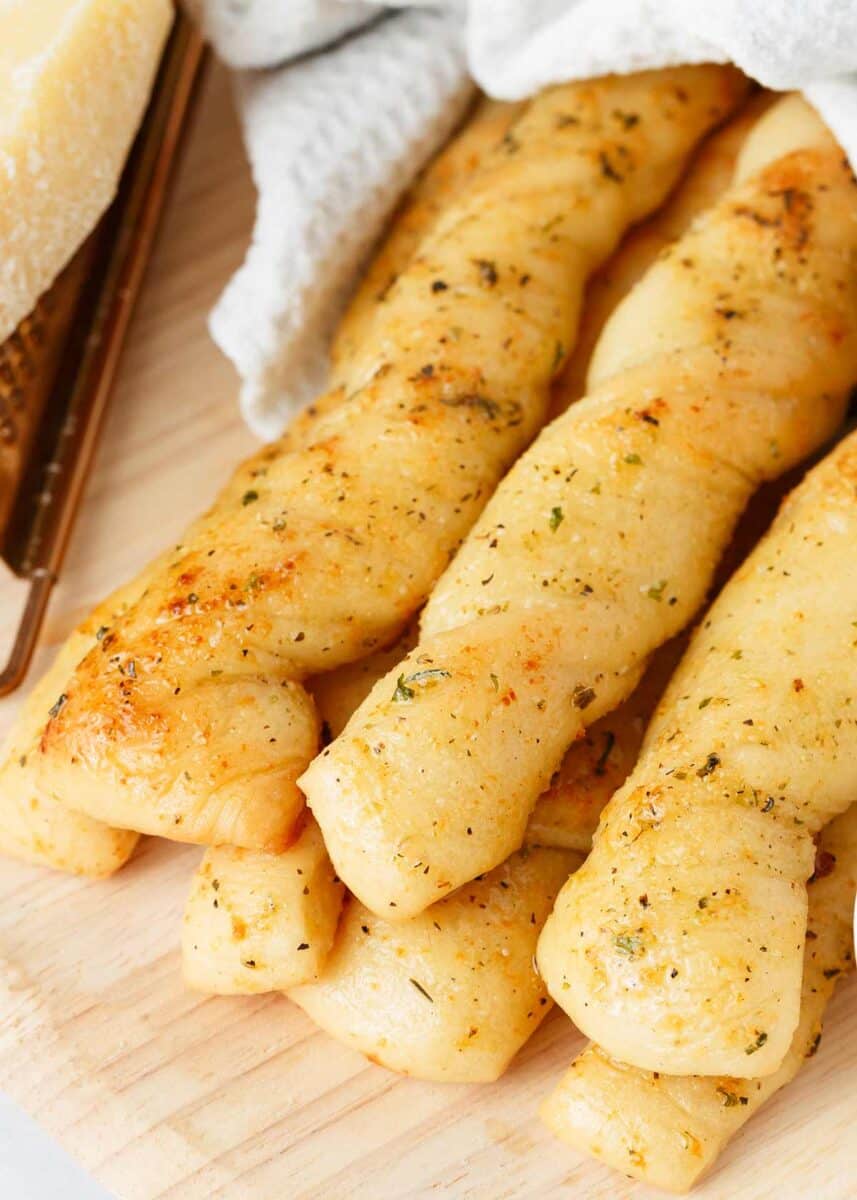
57, 368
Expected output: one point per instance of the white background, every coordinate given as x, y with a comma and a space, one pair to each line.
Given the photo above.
34, 1167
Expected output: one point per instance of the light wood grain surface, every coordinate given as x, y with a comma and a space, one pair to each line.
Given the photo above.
163, 1094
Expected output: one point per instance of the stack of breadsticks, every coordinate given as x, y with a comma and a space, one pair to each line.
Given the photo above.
460, 768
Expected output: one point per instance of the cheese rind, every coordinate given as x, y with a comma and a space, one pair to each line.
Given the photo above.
75, 76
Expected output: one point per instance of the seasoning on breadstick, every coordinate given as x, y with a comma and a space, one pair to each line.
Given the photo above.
258, 922
566, 813
595, 765
679, 946
338, 693
443, 179
257, 883
221, 959
34, 826
37, 827
710, 173
189, 719
601, 542
667, 1130
452, 994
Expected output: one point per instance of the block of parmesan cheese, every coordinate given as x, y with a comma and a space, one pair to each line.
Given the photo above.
75, 76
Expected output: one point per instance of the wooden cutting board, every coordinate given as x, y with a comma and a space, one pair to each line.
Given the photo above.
161, 1093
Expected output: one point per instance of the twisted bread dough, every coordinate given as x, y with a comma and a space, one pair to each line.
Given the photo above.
215, 948
452, 994
442, 180
601, 542
669, 1129
189, 719
257, 922
679, 946
35, 826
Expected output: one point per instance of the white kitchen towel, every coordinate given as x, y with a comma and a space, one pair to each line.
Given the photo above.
333, 140
336, 134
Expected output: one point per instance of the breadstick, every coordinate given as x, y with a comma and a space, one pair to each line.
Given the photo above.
38, 828
710, 173
189, 719
35, 825
601, 542
565, 817
240, 937
679, 946
566, 813
214, 959
452, 994
260, 923
439, 183
222, 950
338, 693
667, 1130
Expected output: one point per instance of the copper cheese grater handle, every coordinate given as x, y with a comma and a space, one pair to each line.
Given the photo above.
57, 369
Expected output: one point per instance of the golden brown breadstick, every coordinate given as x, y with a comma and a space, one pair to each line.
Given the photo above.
452, 994
258, 922
36, 826
566, 814
602, 541
668, 1130
33, 825
679, 945
709, 174
431, 193
189, 719
256, 953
